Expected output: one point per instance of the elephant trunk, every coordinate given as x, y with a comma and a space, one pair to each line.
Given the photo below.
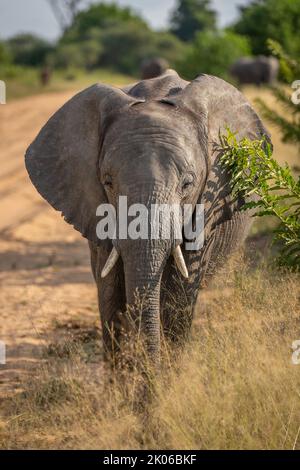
144, 260
143, 268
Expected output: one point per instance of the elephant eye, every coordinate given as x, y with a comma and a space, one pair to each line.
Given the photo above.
108, 182
188, 182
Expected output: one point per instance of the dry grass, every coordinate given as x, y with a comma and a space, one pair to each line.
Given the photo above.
234, 387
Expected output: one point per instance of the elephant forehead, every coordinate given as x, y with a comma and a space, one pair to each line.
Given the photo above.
150, 148
155, 126
148, 154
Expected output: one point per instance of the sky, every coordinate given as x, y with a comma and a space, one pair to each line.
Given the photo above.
35, 16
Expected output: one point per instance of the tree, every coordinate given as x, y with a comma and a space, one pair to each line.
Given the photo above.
192, 16
106, 35
278, 20
64, 11
28, 49
213, 53
126, 45
99, 16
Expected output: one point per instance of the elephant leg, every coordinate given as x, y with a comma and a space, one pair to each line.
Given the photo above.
178, 301
179, 296
111, 307
227, 238
111, 301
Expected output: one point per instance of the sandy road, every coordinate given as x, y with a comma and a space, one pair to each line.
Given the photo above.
44, 264
19, 123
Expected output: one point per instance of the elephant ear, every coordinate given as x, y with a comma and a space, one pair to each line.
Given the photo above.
217, 105
222, 106
63, 160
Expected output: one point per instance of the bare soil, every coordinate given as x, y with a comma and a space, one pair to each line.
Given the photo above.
45, 273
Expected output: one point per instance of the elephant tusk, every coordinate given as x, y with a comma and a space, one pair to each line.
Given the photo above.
179, 260
111, 261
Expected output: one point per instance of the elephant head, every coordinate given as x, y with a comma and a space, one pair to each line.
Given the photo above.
153, 145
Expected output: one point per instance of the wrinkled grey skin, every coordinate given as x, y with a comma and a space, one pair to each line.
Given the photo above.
152, 68
146, 142
255, 70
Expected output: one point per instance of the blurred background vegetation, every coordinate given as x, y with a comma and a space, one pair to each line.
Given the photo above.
108, 38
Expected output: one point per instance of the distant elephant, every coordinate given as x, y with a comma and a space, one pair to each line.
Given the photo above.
257, 70
152, 68
154, 142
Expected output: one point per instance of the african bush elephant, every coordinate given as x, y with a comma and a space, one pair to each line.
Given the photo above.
152, 68
153, 142
255, 70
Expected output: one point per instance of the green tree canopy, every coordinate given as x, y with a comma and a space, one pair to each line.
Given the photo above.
191, 16
28, 49
213, 53
106, 35
278, 20
99, 16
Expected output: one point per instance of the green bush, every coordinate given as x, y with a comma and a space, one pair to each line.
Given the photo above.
28, 49
169, 47
254, 172
125, 45
5, 57
84, 54
213, 53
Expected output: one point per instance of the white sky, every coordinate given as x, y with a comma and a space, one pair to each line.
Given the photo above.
35, 15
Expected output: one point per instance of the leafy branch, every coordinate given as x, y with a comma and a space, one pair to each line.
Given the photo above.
273, 190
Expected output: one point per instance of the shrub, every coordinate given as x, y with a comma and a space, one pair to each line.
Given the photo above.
255, 172
213, 53
86, 54
27, 49
5, 57
125, 45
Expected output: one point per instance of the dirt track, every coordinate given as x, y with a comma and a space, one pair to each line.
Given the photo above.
44, 264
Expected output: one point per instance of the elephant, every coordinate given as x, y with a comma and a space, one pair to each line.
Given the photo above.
255, 70
155, 142
151, 68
